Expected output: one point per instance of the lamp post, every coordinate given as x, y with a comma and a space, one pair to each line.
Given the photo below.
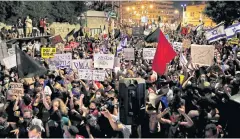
183, 6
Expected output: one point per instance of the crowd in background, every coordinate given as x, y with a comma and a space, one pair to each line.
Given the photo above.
25, 27
189, 100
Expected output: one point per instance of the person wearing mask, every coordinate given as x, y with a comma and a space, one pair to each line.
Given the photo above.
25, 123
5, 127
71, 132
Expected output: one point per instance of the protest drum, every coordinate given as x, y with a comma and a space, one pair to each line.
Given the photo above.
131, 100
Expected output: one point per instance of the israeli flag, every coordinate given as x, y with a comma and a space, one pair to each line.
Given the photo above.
231, 31
215, 33
122, 45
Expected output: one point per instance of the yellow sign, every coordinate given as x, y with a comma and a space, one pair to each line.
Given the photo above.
234, 41
48, 52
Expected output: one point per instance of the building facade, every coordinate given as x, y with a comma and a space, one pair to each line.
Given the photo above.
133, 11
194, 15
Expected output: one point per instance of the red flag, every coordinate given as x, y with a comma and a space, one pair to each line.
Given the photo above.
164, 54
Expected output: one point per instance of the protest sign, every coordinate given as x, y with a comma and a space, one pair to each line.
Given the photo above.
177, 46
17, 88
56, 39
3, 51
234, 41
202, 54
149, 53
61, 60
82, 64
137, 31
98, 75
105, 61
10, 61
129, 54
11, 51
48, 52
186, 43
85, 74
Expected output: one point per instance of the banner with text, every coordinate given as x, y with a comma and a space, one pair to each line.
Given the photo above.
48, 52
85, 74
82, 64
177, 46
17, 88
129, 54
98, 75
202, 54
105, 61
148, 53
10, 61
61, 60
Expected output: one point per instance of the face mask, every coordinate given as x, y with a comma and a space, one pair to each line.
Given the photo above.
202, 79
98, 96
91, 110
12, 75
6, 80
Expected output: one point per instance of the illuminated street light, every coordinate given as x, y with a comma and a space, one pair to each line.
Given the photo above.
151, 6
183, 6
142, 7
176, 12
133, 8
128, 8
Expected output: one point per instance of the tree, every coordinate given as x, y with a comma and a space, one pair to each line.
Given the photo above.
62, 11
220, 11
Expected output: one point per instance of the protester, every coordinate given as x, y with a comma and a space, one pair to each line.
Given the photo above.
187, 101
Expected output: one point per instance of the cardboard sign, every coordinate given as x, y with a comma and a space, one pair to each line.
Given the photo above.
202, 54
105, 61
98, 75
61, 60
149, 53
11, 51
177, 46
186, 43
85, 74
48, 52
56, 39
82, 64
129, 53
17, 88
10, 61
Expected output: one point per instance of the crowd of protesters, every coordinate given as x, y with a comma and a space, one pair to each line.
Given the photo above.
189, 100
25, 27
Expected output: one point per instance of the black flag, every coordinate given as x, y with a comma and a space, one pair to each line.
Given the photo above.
69, 34
153, 36
27, 67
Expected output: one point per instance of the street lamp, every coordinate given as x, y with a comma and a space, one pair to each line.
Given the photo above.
151, 6
183, 6
128, 8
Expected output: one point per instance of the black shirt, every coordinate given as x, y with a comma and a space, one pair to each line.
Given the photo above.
10, 112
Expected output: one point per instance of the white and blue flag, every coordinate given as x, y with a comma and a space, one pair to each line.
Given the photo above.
231, 31
215, 33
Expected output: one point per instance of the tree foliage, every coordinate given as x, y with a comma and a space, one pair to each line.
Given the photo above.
226, 11
61, 11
